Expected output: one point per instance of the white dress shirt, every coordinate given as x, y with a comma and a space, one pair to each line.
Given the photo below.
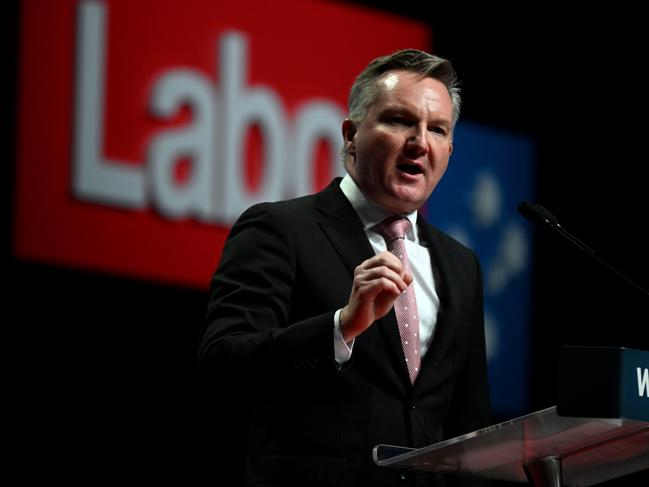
418, 255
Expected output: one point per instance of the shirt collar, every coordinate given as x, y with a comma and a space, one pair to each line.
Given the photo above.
369, 213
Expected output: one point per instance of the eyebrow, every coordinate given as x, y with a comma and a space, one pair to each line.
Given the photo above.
405, 110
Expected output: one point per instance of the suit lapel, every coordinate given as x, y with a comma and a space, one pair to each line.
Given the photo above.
342, 227
345, 231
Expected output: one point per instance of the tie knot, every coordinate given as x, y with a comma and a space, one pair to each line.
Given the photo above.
394, 228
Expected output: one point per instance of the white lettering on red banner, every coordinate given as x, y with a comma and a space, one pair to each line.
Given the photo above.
214, 140
145, 128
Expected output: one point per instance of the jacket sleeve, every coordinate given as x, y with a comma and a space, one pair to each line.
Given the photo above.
247, 325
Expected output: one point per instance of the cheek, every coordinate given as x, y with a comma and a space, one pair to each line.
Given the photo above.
373, 156
441, 157
439, 167
380, 144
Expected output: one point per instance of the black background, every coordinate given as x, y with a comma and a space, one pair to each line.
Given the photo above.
102, 369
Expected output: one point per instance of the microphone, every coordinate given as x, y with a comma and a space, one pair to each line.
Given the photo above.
537, 214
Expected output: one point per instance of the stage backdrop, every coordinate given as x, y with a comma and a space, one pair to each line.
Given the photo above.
145, 128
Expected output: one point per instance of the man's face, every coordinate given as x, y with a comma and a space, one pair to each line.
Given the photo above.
400, 150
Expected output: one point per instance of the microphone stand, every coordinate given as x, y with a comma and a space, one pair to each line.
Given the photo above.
538, 214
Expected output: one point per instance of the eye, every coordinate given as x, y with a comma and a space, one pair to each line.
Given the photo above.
438, 130
399, 120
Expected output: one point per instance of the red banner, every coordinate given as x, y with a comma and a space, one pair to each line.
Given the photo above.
145, 128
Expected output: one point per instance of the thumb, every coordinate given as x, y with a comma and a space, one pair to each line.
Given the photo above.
408, 278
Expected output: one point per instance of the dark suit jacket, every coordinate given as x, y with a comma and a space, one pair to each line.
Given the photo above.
285, 269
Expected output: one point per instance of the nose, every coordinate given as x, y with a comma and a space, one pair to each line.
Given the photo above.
416, 142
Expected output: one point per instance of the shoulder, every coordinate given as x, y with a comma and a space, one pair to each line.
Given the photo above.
283, 210
298, 208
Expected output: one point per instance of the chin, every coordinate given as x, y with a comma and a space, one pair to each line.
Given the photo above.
405, 203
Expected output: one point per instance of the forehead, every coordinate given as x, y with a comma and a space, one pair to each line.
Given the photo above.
405, 88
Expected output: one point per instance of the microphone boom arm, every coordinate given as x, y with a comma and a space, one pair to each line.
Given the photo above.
537, 214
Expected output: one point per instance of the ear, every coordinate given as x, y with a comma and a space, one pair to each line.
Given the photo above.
349, 133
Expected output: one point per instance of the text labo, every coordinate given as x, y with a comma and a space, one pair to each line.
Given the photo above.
214, 140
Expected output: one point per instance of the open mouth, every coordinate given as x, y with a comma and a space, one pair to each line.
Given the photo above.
410, 168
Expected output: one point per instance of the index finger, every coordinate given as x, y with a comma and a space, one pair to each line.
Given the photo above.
387, 259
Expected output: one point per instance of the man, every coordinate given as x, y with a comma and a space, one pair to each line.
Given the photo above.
302, 306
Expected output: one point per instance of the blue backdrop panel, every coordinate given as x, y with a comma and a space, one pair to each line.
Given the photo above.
490, 172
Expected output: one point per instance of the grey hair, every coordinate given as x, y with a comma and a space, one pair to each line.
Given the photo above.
364, 89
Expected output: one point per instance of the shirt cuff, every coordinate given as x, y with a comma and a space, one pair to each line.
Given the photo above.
342, 350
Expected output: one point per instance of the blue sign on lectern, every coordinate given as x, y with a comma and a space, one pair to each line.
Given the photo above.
604, 382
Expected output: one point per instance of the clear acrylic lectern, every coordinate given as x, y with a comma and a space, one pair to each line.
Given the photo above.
555, 446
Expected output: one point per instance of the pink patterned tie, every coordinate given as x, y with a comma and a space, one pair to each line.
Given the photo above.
405, 307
